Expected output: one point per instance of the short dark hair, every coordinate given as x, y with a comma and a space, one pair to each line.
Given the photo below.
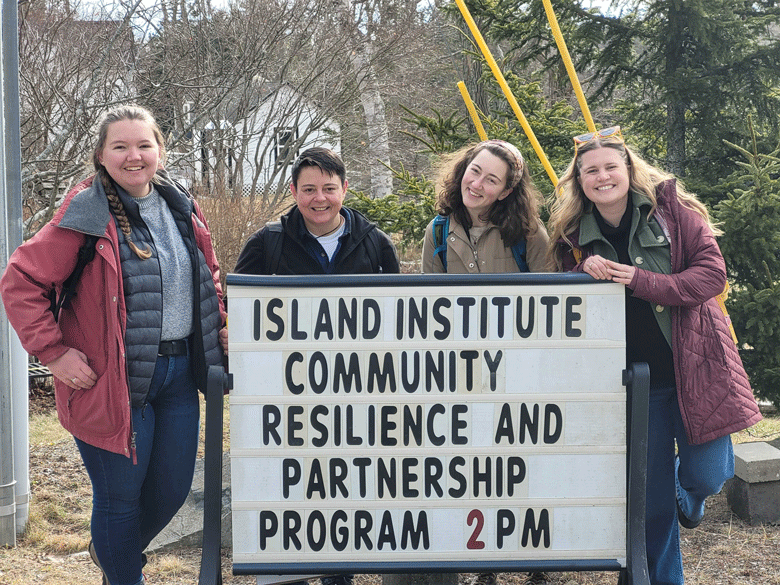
324, 159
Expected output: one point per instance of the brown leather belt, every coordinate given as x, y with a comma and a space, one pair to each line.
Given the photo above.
175, 347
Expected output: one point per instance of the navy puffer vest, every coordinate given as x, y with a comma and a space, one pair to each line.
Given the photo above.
143, 297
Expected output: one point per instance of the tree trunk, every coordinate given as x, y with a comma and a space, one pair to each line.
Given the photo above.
675, 106
373, 106
378, 137
675, 138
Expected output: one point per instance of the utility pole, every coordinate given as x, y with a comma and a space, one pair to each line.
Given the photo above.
14, 454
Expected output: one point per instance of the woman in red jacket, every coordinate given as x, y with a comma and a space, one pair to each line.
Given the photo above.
617, 218
132, 347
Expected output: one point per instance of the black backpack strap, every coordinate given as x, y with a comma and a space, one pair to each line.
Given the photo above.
85, 255
273, 235
373, 250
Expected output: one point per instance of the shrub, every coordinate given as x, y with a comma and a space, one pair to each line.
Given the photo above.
749, 215
232, 218
406, 212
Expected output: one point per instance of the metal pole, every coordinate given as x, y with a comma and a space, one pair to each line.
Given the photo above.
14, 478
564, 51
21, 432
637, 379
507, 91
464, 92
211, 557
7, 481
19, 357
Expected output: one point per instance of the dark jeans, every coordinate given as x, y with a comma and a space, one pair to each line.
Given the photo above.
703, 469
131, 504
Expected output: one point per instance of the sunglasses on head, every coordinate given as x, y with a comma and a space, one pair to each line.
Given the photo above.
611, 132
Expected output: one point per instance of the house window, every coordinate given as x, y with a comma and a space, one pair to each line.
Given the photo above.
284, 144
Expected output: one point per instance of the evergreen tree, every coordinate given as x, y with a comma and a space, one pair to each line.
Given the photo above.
684, 73
750, 217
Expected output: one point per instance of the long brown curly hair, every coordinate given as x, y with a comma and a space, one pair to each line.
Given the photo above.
126, 112
516, 216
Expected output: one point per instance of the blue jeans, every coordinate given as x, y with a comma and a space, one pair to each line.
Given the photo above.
703, 469
131, 504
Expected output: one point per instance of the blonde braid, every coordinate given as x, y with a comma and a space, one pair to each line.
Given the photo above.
121, 216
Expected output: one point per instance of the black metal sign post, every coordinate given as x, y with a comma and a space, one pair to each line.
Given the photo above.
211, 555
637, 381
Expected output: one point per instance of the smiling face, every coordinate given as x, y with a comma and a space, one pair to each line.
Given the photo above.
484, 182
131, 155
603, 176
319, 197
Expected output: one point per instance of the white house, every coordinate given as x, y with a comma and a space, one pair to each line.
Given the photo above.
251, 146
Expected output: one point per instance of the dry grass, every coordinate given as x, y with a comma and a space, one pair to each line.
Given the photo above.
764, 430
723, 550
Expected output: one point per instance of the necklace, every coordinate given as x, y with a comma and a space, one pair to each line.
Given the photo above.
341, 221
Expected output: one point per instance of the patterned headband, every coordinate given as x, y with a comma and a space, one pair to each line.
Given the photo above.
515, 155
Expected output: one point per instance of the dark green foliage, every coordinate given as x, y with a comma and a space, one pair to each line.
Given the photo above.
756, 316
406, 212
438, 133
552, 125
687, 73
750, 218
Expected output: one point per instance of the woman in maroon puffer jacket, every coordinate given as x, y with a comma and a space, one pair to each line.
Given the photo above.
617, 218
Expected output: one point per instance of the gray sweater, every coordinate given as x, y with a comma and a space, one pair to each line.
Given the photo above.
175, 266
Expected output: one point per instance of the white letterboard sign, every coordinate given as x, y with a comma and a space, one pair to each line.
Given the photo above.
404, 424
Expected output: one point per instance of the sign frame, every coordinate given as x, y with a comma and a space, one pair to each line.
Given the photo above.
635, 378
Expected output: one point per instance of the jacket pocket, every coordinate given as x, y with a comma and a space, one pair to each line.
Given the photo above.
95, 411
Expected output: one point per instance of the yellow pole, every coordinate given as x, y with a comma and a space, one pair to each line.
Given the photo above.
464, 92
564, 51
507, 92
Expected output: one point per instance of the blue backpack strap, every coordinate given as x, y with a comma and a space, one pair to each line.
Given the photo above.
441, 227
518, 251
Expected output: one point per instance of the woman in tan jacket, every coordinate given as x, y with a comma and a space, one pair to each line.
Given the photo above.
488, 214
488, 222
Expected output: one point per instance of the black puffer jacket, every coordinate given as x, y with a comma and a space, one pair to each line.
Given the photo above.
286, 247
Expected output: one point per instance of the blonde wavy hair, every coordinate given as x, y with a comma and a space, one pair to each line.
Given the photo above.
567, 205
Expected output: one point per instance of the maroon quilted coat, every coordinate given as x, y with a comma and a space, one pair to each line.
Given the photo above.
96, 322
712, 387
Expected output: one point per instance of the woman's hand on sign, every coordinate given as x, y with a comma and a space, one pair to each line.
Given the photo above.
620, 273
596, 266
73, 369
223, 339
602, 269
